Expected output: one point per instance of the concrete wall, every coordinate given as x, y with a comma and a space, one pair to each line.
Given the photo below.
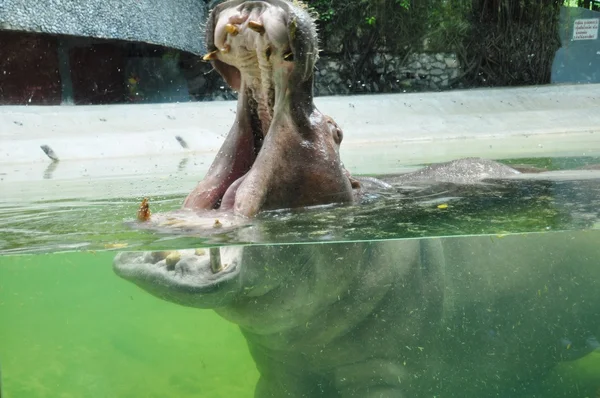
170, 23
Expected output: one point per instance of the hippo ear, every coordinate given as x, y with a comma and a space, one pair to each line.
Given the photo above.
302, 32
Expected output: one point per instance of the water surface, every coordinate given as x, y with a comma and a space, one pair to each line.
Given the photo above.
496, 207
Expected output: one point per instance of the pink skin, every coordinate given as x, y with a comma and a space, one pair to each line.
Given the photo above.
281, 152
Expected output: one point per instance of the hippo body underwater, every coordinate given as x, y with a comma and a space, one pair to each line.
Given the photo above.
438, 317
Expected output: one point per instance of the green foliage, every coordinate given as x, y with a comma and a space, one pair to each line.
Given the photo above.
511, 42
370, 24
449, 25
395, 25
404, 3
499, 42
325, 9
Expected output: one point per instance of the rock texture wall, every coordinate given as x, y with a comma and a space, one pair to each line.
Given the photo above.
174, 24
387, 73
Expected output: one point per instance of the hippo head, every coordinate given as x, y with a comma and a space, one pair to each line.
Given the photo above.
281, 151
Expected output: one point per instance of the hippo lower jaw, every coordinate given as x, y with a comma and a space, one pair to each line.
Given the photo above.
195, 278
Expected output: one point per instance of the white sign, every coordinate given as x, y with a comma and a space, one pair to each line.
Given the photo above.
586, 29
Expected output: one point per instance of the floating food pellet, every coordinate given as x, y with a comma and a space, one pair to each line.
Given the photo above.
442, 206
143, 213
217, 224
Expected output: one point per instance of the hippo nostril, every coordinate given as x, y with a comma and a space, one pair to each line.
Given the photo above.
268, 52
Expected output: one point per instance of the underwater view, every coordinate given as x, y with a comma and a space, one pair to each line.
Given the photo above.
70, 328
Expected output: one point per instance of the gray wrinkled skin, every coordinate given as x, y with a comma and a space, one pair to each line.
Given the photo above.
460, 171
441, 317
456, 317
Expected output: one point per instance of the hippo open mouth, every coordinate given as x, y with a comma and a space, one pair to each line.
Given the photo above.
281, 152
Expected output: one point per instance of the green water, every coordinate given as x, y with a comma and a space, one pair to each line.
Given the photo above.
70, 328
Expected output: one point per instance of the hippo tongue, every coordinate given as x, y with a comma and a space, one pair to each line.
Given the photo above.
229, 196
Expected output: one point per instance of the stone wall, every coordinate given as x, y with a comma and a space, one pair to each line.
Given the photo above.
385, 73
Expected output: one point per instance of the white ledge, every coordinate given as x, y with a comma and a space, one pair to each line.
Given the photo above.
114, 131
122, 149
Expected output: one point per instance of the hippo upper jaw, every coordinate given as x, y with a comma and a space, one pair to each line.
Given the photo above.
194, 278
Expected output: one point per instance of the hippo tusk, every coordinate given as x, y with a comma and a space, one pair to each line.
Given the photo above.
210, 56
215, 260
257, 27
232, 29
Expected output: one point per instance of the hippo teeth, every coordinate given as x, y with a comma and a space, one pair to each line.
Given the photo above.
210, 56
215, 260
257, 27
232, 29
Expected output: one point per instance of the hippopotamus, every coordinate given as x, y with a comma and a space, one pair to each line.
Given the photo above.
436, 317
